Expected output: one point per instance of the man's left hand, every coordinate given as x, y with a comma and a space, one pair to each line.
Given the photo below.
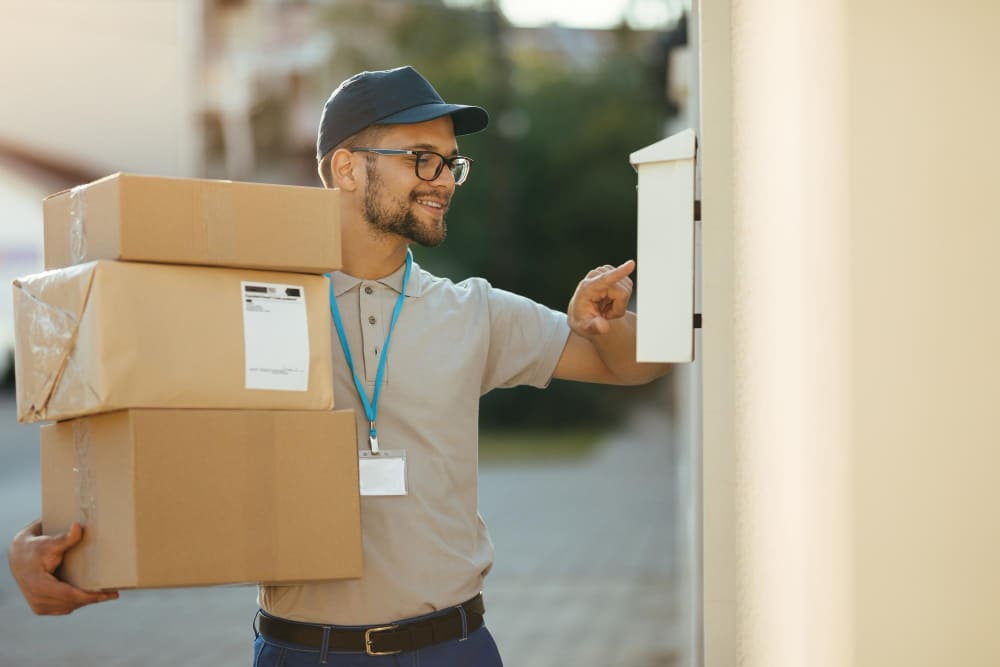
602, 296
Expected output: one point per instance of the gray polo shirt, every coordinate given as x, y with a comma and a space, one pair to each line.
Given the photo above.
452, 343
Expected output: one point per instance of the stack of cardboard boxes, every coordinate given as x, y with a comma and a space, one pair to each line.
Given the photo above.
180, 340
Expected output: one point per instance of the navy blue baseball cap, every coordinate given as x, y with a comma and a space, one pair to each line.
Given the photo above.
384, 97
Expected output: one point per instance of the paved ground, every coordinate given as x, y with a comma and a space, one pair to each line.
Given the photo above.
584, 566
585, 574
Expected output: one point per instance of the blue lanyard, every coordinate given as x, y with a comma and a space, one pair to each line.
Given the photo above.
371, 408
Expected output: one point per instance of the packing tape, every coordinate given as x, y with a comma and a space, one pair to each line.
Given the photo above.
77, 225
50, 335
219, 221
84, 482
84, 473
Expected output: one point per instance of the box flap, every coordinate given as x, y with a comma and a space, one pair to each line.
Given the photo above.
61, 193
47, 311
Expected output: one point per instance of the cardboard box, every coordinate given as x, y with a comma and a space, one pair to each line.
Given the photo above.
202, 497
194, 221
106, 336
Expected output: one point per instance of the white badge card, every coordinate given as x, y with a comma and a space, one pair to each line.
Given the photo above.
383, 474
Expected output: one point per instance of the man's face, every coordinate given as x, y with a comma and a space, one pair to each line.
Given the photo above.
395, 200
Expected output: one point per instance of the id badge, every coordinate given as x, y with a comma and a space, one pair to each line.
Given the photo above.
383, 474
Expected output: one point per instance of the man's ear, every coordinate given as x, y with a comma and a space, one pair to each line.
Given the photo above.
345, 170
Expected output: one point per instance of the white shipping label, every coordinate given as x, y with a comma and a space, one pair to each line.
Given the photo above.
275, 336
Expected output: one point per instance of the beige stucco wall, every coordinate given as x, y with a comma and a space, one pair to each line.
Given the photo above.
104, 85
924, 107
851, 305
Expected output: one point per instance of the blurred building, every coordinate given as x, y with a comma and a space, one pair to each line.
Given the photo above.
171, 87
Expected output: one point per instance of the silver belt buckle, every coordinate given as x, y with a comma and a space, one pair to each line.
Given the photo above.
368, 640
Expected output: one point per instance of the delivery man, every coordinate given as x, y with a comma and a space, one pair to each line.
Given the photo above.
415, 354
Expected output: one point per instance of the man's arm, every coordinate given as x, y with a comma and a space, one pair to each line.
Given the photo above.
34, 557
601, 345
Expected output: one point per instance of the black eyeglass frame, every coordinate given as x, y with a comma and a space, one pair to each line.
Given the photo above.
450, 161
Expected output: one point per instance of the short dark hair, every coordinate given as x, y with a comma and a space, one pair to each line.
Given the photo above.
367, 137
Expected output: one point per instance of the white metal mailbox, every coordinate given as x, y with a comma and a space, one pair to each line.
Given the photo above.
665, 256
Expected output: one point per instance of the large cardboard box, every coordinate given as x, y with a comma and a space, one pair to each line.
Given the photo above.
194, 221
106, 335
201, 497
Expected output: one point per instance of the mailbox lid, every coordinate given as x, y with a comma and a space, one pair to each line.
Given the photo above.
680, 146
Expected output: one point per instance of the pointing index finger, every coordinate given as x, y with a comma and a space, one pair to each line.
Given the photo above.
618, 273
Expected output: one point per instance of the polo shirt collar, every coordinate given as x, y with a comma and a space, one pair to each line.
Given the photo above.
343, 282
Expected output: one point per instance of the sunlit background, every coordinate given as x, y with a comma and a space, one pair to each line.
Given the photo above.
233, 89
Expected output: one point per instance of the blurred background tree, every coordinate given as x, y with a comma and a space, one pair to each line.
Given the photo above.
551, 194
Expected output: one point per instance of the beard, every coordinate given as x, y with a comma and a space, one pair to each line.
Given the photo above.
394, 216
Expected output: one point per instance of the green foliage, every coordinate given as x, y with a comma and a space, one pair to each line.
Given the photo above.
551, 194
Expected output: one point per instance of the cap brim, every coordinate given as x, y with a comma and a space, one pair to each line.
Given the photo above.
467, 119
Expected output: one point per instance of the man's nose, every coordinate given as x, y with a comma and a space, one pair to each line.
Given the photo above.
444, 181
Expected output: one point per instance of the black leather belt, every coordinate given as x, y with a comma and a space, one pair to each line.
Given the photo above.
379, 639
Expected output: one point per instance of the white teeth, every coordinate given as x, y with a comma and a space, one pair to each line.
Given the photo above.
430, 203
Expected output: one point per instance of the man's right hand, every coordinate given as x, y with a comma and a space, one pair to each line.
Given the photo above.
34, 557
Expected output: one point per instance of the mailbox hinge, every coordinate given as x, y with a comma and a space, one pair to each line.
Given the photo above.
697, 320
697, 210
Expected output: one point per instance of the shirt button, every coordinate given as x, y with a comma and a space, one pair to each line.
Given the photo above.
368, 289
371, 319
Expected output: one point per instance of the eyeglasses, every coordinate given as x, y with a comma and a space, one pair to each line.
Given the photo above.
428, 164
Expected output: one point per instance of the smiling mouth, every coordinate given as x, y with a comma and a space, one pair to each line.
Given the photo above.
433, 204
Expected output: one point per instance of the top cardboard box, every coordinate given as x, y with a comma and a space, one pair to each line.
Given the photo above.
194, 221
